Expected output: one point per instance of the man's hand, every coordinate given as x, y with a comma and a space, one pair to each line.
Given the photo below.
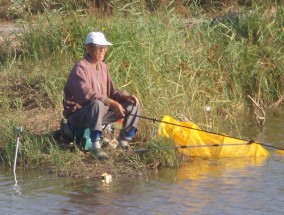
117, 108
131, 99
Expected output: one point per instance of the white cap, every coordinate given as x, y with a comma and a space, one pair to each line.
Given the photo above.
97, 38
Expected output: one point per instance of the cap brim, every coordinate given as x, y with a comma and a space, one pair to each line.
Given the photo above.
101, 43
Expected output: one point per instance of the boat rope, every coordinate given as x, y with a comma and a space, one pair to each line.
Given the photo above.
209, 132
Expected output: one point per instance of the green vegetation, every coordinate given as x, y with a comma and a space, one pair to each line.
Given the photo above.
174, 66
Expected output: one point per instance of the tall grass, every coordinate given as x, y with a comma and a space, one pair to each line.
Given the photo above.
160, 59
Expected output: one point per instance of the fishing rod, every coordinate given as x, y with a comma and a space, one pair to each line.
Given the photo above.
16, 187
209, 132
19, 131
143, 150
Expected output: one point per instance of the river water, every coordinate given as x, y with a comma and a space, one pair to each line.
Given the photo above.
203, 186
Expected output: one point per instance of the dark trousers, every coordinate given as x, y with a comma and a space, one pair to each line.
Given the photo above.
95, 114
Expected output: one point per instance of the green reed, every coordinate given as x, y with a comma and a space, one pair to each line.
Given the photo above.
162, 153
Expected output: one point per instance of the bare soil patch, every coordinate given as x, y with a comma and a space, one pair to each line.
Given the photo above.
7, 28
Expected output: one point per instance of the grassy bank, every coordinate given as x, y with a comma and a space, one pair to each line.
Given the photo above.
177, 64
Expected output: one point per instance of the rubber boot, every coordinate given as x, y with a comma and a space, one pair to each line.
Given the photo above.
97, 152
123, 144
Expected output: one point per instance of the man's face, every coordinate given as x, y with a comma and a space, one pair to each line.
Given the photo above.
96, 52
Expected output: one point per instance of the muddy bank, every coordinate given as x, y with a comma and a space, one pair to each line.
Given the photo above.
8, 28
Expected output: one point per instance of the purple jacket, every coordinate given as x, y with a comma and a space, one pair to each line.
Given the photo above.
86, 83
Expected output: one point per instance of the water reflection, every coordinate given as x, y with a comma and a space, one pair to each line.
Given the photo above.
185, 190
97, 197
200, 168
203, 186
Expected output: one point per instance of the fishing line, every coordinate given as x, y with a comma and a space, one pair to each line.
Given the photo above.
209, 132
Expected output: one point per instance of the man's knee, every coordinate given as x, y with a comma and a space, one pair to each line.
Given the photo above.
96, 105
96, 108
133, 108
